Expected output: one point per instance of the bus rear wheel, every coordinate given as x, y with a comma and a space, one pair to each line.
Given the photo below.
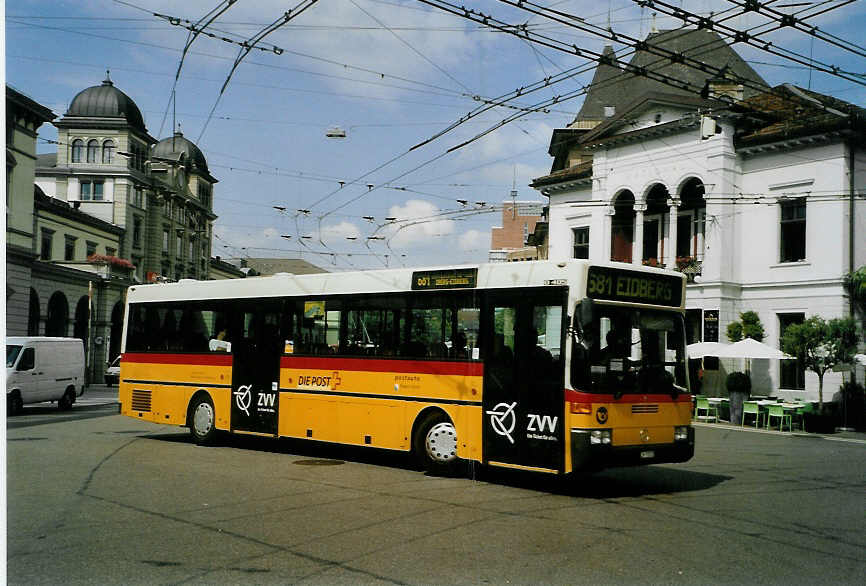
202, 420
435, 444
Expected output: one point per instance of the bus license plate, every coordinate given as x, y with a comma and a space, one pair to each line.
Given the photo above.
647, 454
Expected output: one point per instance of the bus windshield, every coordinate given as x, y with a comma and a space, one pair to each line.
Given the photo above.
12, 352
624, 350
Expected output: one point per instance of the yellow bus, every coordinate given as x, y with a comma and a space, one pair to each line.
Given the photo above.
545, 366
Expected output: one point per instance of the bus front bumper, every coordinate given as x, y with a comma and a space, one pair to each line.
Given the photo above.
588, 451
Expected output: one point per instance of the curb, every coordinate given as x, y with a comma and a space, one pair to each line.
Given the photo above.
800, 434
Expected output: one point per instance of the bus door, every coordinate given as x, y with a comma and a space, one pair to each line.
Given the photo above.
257, 348
523, 382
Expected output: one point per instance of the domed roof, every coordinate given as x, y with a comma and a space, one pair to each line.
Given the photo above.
177, 145
106, 101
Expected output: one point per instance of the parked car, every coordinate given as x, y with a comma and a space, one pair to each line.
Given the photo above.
112, 373
43, 369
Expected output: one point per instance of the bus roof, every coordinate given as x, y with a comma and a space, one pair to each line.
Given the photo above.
486, 276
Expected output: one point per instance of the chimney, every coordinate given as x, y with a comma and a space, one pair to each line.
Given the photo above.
725, 85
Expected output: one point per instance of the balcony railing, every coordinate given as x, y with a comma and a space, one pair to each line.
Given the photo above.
689, 266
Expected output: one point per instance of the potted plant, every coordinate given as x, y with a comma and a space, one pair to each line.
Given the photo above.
851, 401
739, 387
821, 345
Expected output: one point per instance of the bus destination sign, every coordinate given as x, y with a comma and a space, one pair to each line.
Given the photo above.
444, 279
634, 286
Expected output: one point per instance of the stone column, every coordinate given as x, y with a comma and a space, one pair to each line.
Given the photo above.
608, 232
671, 249
637, 243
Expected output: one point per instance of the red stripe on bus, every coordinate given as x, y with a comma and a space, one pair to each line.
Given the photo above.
377, 365
581, 397
215, 359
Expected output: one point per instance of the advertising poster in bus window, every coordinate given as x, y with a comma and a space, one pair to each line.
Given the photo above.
314, 309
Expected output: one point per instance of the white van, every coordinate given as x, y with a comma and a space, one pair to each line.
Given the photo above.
43, 369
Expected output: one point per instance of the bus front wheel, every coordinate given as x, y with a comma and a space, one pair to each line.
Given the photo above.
435, 444
202, 420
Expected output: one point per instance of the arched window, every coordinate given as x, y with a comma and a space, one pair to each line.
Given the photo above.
77, 150
108, 151
92, 148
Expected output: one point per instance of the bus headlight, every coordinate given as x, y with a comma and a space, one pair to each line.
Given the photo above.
681, 433
599, 436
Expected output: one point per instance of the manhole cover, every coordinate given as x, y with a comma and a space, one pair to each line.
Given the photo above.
318, 462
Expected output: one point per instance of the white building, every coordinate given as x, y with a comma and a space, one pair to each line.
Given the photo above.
759, 198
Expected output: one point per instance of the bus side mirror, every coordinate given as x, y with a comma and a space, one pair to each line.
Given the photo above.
583, 318
586, 312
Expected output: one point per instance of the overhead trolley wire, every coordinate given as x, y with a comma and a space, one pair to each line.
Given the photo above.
249, 45
738, 36
792, 21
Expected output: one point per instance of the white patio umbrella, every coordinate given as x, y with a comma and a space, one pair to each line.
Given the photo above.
750, 348
701, 349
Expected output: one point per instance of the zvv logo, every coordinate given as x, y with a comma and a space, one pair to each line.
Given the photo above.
267, 399
243, 397
541, 422
502, 419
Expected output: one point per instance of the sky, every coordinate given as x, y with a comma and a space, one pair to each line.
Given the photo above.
392, 74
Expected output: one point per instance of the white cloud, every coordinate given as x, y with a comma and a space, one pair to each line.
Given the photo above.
418, 222
337, 233
473, 240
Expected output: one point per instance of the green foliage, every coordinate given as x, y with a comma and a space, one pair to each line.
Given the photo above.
749, 326
821, 345
735, 331
855, 284
738, 382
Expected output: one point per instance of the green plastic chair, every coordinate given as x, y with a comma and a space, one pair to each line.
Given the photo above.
710, 412
801, 414
751, 408
778, 411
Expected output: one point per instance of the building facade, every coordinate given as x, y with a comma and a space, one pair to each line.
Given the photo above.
757, 195
24, 116
112, 207
518, 223
159, 192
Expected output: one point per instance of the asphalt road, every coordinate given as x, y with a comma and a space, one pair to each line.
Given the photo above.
96, 498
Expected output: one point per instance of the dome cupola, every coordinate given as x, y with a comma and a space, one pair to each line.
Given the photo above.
177, 148
106, 101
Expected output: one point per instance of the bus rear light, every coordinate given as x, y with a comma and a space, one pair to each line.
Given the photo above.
581, 408
681, 433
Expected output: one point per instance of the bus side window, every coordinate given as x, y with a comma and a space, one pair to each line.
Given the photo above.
192, 331
136, 340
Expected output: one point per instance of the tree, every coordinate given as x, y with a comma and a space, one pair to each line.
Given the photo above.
855, 284
821, 345
749, 326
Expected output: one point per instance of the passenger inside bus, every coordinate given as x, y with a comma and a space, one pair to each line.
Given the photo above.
219, 343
